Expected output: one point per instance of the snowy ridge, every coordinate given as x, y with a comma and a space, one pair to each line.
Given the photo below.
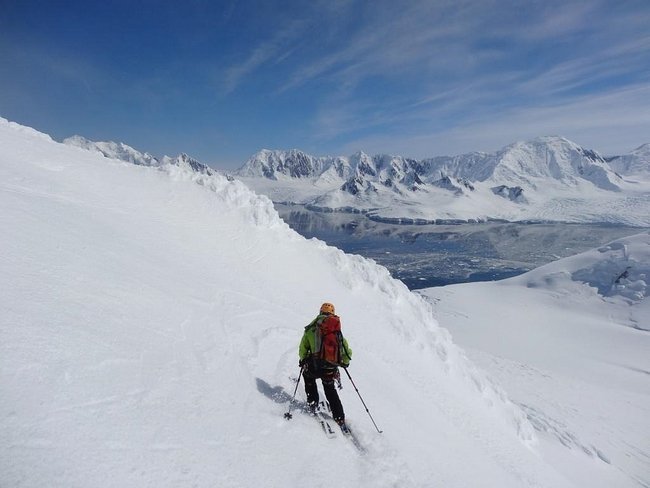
161, 320
123, 152
115, 150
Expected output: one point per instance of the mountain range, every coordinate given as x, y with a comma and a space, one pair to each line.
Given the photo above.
547, 157
547, 179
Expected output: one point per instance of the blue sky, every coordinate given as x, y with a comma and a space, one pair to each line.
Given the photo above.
221, 80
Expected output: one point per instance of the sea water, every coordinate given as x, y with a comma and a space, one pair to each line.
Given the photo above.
433, 255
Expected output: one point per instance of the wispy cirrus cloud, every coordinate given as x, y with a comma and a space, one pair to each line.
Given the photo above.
451, 67
442, 41
554, 22
612, 123
394, 38
275, 49
610, 63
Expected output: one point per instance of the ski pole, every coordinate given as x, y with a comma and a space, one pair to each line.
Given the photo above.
364, 403
288, 415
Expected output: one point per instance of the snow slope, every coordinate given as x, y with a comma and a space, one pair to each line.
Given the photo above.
149, 324
570, 341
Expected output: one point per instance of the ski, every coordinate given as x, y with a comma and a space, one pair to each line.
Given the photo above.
353, 439
323, 414
326, 422
325, 425
319, 413
346, 431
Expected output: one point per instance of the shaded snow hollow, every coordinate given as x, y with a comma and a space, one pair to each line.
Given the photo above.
150, 322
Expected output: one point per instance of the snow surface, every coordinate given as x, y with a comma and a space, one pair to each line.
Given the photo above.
570, 342
149, 324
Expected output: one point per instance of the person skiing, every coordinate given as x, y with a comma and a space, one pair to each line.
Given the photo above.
322, 349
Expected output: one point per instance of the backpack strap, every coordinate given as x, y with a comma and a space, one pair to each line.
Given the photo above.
345, 348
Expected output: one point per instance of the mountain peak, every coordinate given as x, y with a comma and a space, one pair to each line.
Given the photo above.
188, 162
636, 163
293, 163
553, 139
643, 149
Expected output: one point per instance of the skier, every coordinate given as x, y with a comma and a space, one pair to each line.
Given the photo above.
318, 361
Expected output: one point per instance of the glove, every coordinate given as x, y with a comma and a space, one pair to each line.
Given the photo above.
345, 366
302, 363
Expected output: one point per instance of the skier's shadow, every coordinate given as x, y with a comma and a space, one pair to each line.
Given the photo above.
278, 394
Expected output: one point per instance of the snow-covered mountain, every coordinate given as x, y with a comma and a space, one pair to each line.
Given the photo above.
293, 164
637, 163
573, 350
150, 318
115, 150
123, 152
532, 164
548, 178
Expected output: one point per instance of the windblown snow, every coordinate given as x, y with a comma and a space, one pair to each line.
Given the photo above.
150, 322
